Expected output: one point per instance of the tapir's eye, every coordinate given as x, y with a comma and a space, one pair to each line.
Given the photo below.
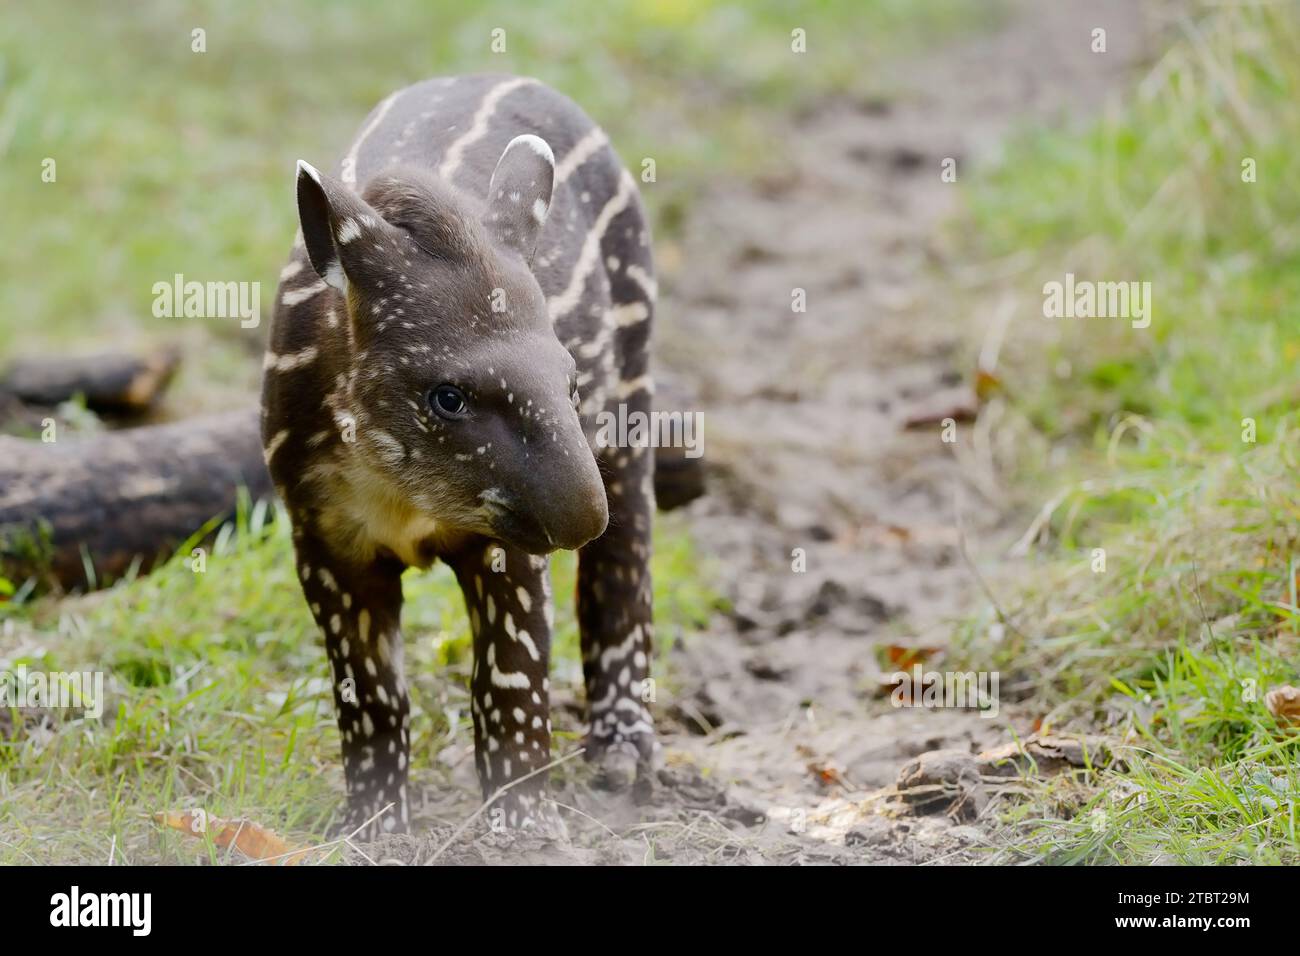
448, 401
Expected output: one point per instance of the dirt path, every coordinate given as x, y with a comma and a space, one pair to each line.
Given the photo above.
779, 745
804, 433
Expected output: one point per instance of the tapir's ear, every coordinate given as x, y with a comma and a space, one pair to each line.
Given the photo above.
519, 196
333, 219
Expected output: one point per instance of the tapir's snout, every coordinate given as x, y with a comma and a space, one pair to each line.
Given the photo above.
557, 499
555, 494
582, 514
569, 520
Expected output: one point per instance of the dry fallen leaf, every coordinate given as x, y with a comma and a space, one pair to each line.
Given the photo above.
987, 384
827, 774
253, 841
1284, 704
903, 656
900, 658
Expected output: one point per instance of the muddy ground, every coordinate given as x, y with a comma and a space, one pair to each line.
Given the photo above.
780, 746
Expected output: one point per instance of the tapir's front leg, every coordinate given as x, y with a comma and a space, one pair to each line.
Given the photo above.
508, 597
359, 609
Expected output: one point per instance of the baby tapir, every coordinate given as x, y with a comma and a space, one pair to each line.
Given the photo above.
473, 288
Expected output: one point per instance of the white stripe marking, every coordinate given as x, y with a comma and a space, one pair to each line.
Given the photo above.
274, 445
516, 679
294, 296
582, 150
348, 230
348, 172
611, 655
629, 313
567, 299
451, 159
538, 145
645, 281
526, 639
290, 361
627, 388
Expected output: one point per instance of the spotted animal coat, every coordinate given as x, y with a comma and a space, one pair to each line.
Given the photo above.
390, 347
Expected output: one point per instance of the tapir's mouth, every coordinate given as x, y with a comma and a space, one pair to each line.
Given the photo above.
520, 529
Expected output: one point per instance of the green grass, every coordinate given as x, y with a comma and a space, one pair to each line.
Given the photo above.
219, 697
1137, 437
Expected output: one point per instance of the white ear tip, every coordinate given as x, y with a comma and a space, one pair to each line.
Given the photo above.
536, 144
309, 169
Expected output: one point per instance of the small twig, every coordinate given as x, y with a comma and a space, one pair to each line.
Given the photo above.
386, 808
1218, 651
996, 334
565, 806
501, 791
693, 712
357, 849
1090, 485
234, 840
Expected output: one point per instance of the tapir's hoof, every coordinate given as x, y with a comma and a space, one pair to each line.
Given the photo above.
534, 815
618, 768
626, 763
548, 824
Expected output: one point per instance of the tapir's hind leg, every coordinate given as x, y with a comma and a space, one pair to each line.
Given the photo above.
615, 599
616, 620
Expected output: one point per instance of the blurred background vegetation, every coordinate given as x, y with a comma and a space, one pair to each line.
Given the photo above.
170, 161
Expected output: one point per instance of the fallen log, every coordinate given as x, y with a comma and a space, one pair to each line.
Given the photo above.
77, 513
111, 383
